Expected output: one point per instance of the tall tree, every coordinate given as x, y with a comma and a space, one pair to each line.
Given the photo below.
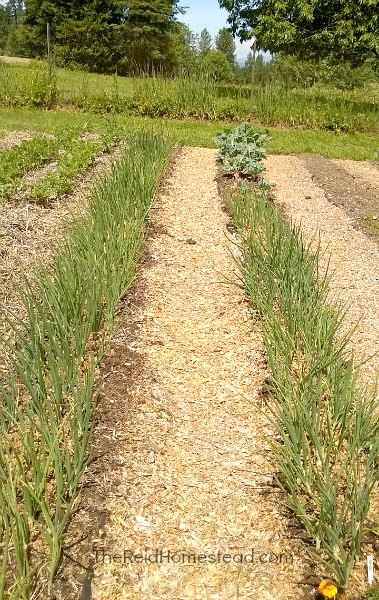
344, 29
83, 32
105, 35
225, 43
148, 43
205, 42
11, 28
185, 43
5, 27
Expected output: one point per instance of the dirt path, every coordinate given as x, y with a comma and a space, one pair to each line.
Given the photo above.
188, 466
323, 205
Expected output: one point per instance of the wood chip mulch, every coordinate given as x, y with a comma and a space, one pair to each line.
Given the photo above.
311, 201
190, 467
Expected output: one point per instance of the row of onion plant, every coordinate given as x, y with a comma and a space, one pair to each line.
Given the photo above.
325, 419
49, 385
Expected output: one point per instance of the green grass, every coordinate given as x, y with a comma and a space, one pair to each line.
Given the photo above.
373, 593
21, 159
357, 146
319, 107
48, 391
326, 425
63, 144
373, 223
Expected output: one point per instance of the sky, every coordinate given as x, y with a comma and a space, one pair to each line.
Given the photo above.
207, 14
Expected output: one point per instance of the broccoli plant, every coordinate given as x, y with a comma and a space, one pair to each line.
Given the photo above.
241, 150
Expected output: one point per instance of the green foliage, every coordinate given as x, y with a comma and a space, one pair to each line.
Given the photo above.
17, 161
11, 28
205, 42
5, 28
185, 46
83, 33
73, 149
373, 593
74, 158
314, 107
242, 150
344, 29
104, 35
49, 389
216, 65
225, 43
326, 426
146, 36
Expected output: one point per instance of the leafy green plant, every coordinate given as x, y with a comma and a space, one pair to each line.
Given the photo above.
18, 160
241, 150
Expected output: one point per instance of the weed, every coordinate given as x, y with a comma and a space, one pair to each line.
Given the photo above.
186, 97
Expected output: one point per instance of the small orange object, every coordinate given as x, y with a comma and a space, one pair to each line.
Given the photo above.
327, 589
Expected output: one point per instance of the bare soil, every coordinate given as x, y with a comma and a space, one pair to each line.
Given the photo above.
352, 185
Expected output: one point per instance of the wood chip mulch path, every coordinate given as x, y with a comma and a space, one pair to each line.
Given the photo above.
309, 197
191, 470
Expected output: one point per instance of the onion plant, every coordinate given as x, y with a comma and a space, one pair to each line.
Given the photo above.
325, 420
49, 387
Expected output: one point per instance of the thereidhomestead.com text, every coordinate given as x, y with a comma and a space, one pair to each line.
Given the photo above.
130, 557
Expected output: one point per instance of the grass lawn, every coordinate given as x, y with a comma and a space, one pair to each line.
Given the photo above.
355, 146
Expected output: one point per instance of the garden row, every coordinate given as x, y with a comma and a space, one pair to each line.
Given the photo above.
69, 153
48, 386
195, 98
326, 425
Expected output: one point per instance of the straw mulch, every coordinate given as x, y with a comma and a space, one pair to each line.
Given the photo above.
191, 468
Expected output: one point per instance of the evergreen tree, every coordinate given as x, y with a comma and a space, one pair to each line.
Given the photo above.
105, 35
185, 43
5, 27
225, 43
84, 33
11, 28
148, 41
205, 42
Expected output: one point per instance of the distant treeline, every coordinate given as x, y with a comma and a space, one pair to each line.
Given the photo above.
139, 37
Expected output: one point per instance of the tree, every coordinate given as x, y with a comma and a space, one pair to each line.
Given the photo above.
205, 42
185, 43
149, 45
225, 43
84, 33
11, 29
255, 70
105, 35
344, 29
215, 64
5, 26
